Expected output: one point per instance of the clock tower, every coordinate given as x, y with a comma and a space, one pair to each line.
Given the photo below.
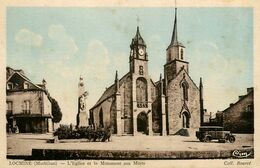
141, 84
138, 55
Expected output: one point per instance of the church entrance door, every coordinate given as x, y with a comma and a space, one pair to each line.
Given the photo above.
185, 120
142, 123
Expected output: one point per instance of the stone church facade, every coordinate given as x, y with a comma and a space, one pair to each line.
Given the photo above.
135, 104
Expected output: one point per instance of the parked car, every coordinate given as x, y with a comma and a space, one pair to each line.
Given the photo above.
208, 133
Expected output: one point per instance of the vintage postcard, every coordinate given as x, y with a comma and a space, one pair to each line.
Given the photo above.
138, 84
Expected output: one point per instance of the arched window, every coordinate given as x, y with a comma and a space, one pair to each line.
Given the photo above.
141, 70
141, 92
185, 91
101, 123
182, 54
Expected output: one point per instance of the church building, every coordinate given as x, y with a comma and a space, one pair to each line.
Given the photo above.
135, 104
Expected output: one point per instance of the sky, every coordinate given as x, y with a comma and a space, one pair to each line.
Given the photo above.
60, 44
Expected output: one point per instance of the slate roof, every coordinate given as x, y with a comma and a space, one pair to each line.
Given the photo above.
110, 91
10, 73
138, 40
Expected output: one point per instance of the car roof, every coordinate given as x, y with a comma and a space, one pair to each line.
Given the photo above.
211, 127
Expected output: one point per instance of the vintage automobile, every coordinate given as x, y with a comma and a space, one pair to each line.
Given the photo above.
208, 133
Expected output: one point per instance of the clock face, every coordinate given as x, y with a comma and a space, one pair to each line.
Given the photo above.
141, 51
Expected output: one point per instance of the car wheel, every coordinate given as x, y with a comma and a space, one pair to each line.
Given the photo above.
201, 139
232, 139
207, 139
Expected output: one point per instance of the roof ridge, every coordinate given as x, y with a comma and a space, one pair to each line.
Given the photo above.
240, 99
101, 99
25, 78
183, 69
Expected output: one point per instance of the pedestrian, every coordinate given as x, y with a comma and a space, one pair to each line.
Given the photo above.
9, 129
16, 129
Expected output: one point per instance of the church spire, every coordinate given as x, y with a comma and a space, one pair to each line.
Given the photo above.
138, 40
174, 40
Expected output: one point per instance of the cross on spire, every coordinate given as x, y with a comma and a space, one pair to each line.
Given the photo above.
174, 40
174, 34
137, 20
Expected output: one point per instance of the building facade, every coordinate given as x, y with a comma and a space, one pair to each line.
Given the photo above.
135, 104
28, 104
239, 116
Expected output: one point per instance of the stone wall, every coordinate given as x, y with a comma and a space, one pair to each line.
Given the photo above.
46, 104
109, 109
113, 117
157, 116
156, 109
176, 104
126, 106
105, 107
238, 118
170, 70
18, 98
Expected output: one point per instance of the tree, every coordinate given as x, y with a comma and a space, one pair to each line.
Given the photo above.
56, 111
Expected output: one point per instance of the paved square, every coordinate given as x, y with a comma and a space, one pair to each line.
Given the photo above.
22, 144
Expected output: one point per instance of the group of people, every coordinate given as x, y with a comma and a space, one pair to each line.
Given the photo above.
14, 129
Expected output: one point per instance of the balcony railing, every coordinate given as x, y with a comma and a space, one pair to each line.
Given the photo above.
142, 104
26, 111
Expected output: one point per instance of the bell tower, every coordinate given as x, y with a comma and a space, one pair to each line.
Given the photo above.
141, 92
138, 56
175, 55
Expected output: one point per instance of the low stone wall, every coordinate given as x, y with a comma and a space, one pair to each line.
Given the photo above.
58, 154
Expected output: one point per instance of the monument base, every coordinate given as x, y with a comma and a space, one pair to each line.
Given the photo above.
82, 119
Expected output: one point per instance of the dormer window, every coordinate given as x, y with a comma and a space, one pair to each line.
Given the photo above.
10, 86
26, 85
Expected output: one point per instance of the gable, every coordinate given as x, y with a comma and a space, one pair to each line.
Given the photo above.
183, 76
18, 81
110, 91
244, 98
